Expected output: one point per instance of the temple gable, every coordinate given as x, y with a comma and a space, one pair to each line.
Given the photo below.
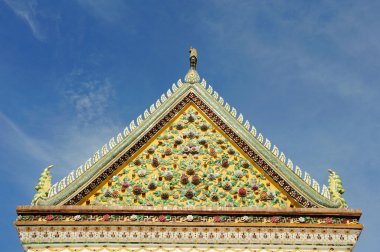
189, 174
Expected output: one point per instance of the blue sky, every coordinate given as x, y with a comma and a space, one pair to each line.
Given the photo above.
305, 73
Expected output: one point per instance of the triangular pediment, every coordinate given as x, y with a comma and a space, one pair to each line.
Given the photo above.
190, 163
123, 173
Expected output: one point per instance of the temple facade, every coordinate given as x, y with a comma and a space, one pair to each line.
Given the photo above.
189, 174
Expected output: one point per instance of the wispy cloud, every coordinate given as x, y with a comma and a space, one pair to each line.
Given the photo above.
90, 98
20, 148
14, 137
67, 147
296, 43
75, 136
109, 11
27, 10
89, 125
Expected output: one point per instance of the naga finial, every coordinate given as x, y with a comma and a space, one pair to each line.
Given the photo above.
43, 186
336, 189
192, 75
193, 57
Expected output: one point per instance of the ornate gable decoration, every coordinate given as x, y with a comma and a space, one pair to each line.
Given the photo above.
191, 163
190, 148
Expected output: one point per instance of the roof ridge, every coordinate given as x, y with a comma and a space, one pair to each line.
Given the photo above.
313, 183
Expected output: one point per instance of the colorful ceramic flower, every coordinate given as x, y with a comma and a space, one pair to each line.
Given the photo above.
190, 118
155, 162
190, 170
178, 140
254, 186
211, 176
162, 218
328, 220
245, 164
202, 141
49, 217
77, 217
189, 194
195, 180
164, 195
242, 192
168, 151
186, 149
191, 134
108, 193
179, 126
151, 150
226, 185
263, 196
137, 190
189, 218
204, 127
214, 197
137, 161
184, 179
125, 184
270, 196
212, 152
152, 185
301, 219
106, 217
239, 174
133, 217
245, 218
168, 175
194, 150
225, 162
217, 218
230, 151
141, 173
275, 219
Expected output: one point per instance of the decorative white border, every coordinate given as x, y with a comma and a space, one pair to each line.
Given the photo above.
188, 235
180, 248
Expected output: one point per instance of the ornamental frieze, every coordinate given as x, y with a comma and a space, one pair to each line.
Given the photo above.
189, 218
188, 235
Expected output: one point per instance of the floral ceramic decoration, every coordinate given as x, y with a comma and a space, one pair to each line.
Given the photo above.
190, 163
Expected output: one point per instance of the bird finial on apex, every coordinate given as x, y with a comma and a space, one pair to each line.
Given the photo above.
193, 57
192, 75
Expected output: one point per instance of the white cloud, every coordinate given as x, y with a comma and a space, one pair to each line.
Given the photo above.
27, 11
73, 144
90, 98
67, 140
14, 137
67, 147
286, 52
109, 11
